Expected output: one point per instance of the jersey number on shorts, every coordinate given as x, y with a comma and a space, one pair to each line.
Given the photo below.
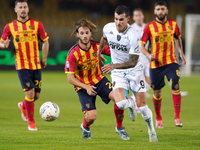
142, 84
177, 73
109, 85
38, 84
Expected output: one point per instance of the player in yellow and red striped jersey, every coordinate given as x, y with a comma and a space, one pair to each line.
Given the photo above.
83, 70
26, 33
163, 32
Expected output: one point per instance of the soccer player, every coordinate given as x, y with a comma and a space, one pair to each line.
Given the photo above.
126, 69
25, 33
84, 72
163, 32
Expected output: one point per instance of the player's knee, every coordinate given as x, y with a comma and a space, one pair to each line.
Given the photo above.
157, 93
37, 96
175, 84
91, 116
30, 93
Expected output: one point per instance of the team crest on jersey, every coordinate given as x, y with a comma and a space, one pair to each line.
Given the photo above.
170, 27
94, 54
118, 37
31, 27
111, 32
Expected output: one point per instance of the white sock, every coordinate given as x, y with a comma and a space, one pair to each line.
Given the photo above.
124, 104
147, 116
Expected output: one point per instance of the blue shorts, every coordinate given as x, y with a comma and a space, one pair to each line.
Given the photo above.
30, 79
104, 87
157, 75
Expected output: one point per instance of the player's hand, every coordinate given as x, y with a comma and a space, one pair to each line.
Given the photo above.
151, 57
6, 43
107, 68
43, 63
183, 59
90, 90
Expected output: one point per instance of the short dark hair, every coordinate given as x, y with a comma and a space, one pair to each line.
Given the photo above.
161, 3
20, 1
138, 9
122, 9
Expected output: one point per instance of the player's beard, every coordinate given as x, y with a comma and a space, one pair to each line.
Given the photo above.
83, 42
23, 16
161, 18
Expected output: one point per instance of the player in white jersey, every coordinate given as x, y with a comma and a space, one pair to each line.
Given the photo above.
126, 69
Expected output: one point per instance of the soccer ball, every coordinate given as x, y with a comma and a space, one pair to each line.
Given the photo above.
49, 111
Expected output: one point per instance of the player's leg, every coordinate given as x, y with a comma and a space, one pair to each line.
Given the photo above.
89, 108
104, 90
173, 76
120, 83
146, 115
157, 82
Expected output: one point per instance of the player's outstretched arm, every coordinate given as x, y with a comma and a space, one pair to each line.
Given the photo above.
103, 43
179, 46
90, 89
45, 51
131, 63
4, 44
146, 53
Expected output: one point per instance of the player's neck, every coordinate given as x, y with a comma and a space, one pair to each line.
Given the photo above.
84, 46
22, 19
139, 24
161, 21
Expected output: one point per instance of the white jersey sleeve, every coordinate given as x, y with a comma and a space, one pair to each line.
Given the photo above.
135, 43
106, 29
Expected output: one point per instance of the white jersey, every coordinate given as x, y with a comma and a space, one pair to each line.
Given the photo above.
122, 44
143, 59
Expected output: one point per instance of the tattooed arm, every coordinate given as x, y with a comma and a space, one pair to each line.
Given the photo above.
131, 63
103, 43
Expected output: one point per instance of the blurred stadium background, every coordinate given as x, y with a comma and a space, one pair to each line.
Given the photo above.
59, 15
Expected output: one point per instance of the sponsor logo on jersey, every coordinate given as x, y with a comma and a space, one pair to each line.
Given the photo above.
118, 46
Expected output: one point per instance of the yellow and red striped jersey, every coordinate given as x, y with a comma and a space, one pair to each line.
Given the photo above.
25, 39
162, 40
84, 64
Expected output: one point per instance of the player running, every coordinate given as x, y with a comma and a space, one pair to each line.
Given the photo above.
84, 72
126, 69
25, 33
163, 32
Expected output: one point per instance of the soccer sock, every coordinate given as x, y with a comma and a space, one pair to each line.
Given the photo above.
157, 107
24, 103
86, 125
29, 106
176, 97
147, 116
119, 115
124, 104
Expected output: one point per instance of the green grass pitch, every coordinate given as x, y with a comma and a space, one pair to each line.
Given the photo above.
64, 133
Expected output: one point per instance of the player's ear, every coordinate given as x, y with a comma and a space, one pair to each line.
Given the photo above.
77, 34
128, 18
167, 11
15, 10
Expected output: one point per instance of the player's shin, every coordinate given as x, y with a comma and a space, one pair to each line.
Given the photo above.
147, 116
86, 124
176, 97
29, 106
119, 115
157, 107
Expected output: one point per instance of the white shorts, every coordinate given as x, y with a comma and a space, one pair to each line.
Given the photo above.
145, 62
129, 79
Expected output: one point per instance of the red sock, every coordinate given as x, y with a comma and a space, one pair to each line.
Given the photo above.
176, 97
29, 106
24, 103
86, 125
119, 115
157, 107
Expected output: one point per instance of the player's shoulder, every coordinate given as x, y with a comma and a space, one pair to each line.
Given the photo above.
14, 21
74, 48
94, 43
109, 26
171, 20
